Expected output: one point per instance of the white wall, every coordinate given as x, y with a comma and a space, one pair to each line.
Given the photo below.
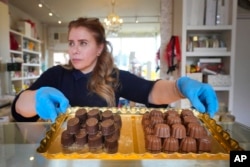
241, 101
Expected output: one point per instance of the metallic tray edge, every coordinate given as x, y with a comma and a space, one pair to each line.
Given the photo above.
216, 130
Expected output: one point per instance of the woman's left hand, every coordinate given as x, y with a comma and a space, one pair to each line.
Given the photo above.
201, 95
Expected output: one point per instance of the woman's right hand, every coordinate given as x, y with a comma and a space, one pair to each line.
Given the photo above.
50, 102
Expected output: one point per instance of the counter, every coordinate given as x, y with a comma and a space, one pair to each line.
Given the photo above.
4, 103
19, 141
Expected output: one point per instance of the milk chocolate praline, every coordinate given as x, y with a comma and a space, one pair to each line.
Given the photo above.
156, 113
170, 145
162, 130
178, 131
195, 130
173, 120
153, 144
188, 144
204, 144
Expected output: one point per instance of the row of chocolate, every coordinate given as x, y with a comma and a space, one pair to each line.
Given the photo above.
93, 129
171, 131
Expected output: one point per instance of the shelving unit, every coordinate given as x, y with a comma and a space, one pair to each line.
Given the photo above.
224, 33
28, 55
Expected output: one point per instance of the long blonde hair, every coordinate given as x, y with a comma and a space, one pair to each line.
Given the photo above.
104, 78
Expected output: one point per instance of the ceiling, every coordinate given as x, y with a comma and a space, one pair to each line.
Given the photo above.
147, 12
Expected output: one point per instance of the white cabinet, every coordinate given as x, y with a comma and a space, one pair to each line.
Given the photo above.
25, 60
207, 33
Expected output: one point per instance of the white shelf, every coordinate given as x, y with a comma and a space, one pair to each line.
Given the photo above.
30, 78
31, 64
16, 52
207, 54
222, 88
24, 78
31, 51
195, 36
210, 28
27, 55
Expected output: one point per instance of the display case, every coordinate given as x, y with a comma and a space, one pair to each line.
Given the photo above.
25, 52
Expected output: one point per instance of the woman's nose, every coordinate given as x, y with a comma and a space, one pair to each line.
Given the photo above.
76, 49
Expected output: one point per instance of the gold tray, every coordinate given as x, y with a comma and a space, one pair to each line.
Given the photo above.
131, 142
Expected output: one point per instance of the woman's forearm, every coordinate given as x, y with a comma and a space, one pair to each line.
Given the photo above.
25, 104
164, 92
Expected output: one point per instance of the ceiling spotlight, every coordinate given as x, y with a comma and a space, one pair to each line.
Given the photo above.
50, 14
40, 5
59, 22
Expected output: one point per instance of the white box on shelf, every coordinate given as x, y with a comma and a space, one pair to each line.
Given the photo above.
210, 17
197, 76
218, 80
222, 17
195, 7
201, 49
25, 28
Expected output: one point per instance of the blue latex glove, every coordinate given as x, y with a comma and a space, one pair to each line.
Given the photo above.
50, 102
202, 96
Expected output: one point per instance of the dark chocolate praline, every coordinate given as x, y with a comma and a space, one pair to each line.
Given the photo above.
107, 127
82, 115
73, 125
92, 126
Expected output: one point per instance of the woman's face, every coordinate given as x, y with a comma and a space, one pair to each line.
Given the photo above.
83, 49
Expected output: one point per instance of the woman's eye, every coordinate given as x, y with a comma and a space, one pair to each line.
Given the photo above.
71, 43
83, 43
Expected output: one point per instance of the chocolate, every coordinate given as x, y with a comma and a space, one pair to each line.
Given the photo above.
116, 133
92, 126
111, 145
187, 112
162, 130
156, 113
190, 118
156, 120
94, 113
153, 144
204, 144
118, 120
173, 120
107, 114
195, 130
170, 145
67, 139
81, 137
95, 141
149, 130
82, 115
107, 127
146, 123
171, 113
178, 131
188, 144
73, 125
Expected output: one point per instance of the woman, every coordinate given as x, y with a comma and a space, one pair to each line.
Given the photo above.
91, 79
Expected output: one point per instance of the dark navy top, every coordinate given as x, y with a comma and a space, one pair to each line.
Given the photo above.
73, 84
